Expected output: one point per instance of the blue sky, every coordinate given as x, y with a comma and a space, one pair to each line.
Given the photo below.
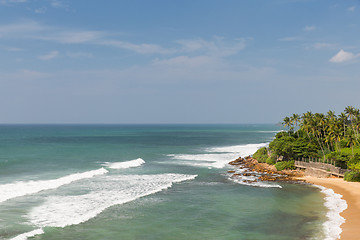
161, 61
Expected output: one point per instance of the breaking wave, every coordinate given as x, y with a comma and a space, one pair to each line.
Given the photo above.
18, 189
336, 205
106, 191
123, 165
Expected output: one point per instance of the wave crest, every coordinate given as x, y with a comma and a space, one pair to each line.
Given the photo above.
18, 189
123, 165
106, 191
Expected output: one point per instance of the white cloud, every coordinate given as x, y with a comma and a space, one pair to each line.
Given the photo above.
12, 49
72, 36
21, 28
49, 56
23, 75
343, 56
40, 10
309, 28
7, 2
78, 54
58, 4
216, 47
185, 61
289, 39
322, 45
352, 8
143, 48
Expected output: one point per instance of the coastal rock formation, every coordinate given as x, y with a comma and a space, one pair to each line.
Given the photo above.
262, 171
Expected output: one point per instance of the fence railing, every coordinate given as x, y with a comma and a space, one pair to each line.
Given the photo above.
319, 160
323, 164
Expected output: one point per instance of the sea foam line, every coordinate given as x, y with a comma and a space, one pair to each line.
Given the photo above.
26, 235
336, 205
242, 150
216, 157
123, 165
106, 191
18, 189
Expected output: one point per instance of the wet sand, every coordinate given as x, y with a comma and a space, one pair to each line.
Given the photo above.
351, 193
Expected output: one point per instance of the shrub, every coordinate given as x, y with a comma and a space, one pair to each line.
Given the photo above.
285, 165
261, 154
271, 160
352, 176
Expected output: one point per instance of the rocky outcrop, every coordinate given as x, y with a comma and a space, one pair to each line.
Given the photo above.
263, 171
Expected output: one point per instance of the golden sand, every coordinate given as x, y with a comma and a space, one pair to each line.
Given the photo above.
351, 193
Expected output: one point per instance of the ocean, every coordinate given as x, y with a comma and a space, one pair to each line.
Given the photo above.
148, 182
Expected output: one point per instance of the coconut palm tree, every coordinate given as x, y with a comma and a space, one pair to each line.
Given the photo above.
295, 118
351, 140
287, 123
343, 119
351, 112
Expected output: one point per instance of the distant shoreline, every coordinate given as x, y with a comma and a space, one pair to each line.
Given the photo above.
351, 193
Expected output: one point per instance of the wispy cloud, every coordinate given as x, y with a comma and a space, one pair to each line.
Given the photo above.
24, 75
49, 56
21, 28
186, 61
57, 4
309, 28
289, 39
217, 46
352, 8
343, 56
78, 54
12, 49
40, 10
143, 48
323, 45
8, 2
72, 36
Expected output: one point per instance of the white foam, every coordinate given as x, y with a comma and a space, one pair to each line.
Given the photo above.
217, 157
122, 165
219, 160
271, 131
252, 180
105, 191
262, 184
26, 235
18, 189
336, 205
240, 150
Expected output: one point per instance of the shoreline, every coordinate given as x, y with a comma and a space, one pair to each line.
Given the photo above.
350, 192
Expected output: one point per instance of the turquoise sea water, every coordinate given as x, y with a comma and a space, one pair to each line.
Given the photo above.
145, 182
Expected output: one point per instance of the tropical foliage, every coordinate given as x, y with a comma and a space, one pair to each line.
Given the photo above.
317, 135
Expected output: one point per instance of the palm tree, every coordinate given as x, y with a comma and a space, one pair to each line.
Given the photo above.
287, 123
305, 123
343, 119
295, 118
351, 112
351, 140
317, 128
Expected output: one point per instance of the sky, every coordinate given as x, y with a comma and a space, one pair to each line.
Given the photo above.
167, 61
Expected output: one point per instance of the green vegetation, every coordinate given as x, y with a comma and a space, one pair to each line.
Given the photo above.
353, 176
329, 137
261, 155
285, 165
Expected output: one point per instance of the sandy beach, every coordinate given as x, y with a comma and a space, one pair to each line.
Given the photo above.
351, 193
